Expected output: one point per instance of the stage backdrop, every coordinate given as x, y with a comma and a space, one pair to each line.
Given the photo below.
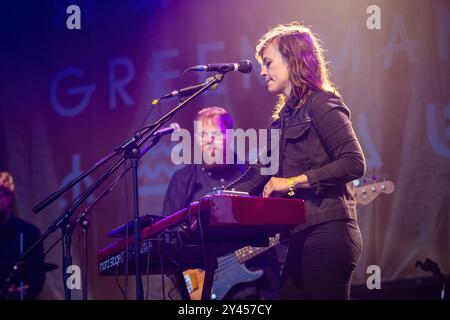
69, 97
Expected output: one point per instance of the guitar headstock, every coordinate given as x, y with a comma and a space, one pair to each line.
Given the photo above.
368, 192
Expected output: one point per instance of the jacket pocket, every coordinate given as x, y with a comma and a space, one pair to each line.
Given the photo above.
298, 131
297, 145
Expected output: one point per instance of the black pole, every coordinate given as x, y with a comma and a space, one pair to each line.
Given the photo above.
84, 228
134, 156
84, 223
67, 257
51, 198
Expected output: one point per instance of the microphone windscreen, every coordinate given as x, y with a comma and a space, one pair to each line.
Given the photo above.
245, 66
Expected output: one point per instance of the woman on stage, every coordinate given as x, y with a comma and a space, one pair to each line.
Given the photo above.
319, 157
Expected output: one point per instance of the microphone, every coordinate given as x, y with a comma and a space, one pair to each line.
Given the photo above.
159, 133
188, 90
167, 130
245, 66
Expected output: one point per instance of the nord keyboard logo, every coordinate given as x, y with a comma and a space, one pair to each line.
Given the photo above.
113, 261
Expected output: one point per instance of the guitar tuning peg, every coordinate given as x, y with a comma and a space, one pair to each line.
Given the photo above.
374, 181
383, 186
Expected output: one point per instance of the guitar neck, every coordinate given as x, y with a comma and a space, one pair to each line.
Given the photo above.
246, 253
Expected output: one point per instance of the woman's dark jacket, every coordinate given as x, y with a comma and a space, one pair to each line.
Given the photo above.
317, 139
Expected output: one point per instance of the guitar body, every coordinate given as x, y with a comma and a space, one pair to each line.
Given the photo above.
230, 273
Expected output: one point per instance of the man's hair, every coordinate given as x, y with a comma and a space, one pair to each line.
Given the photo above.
7, 182
216, 113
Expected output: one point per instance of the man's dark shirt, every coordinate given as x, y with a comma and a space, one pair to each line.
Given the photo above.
193, 182
10, 251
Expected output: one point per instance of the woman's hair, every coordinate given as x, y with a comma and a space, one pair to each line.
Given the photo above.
304, 55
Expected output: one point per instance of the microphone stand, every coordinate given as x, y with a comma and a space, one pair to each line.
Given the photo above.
84, 223
132, 151
135, 155
85, 228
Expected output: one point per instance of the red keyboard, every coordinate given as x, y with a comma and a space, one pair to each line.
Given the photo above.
222, 222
